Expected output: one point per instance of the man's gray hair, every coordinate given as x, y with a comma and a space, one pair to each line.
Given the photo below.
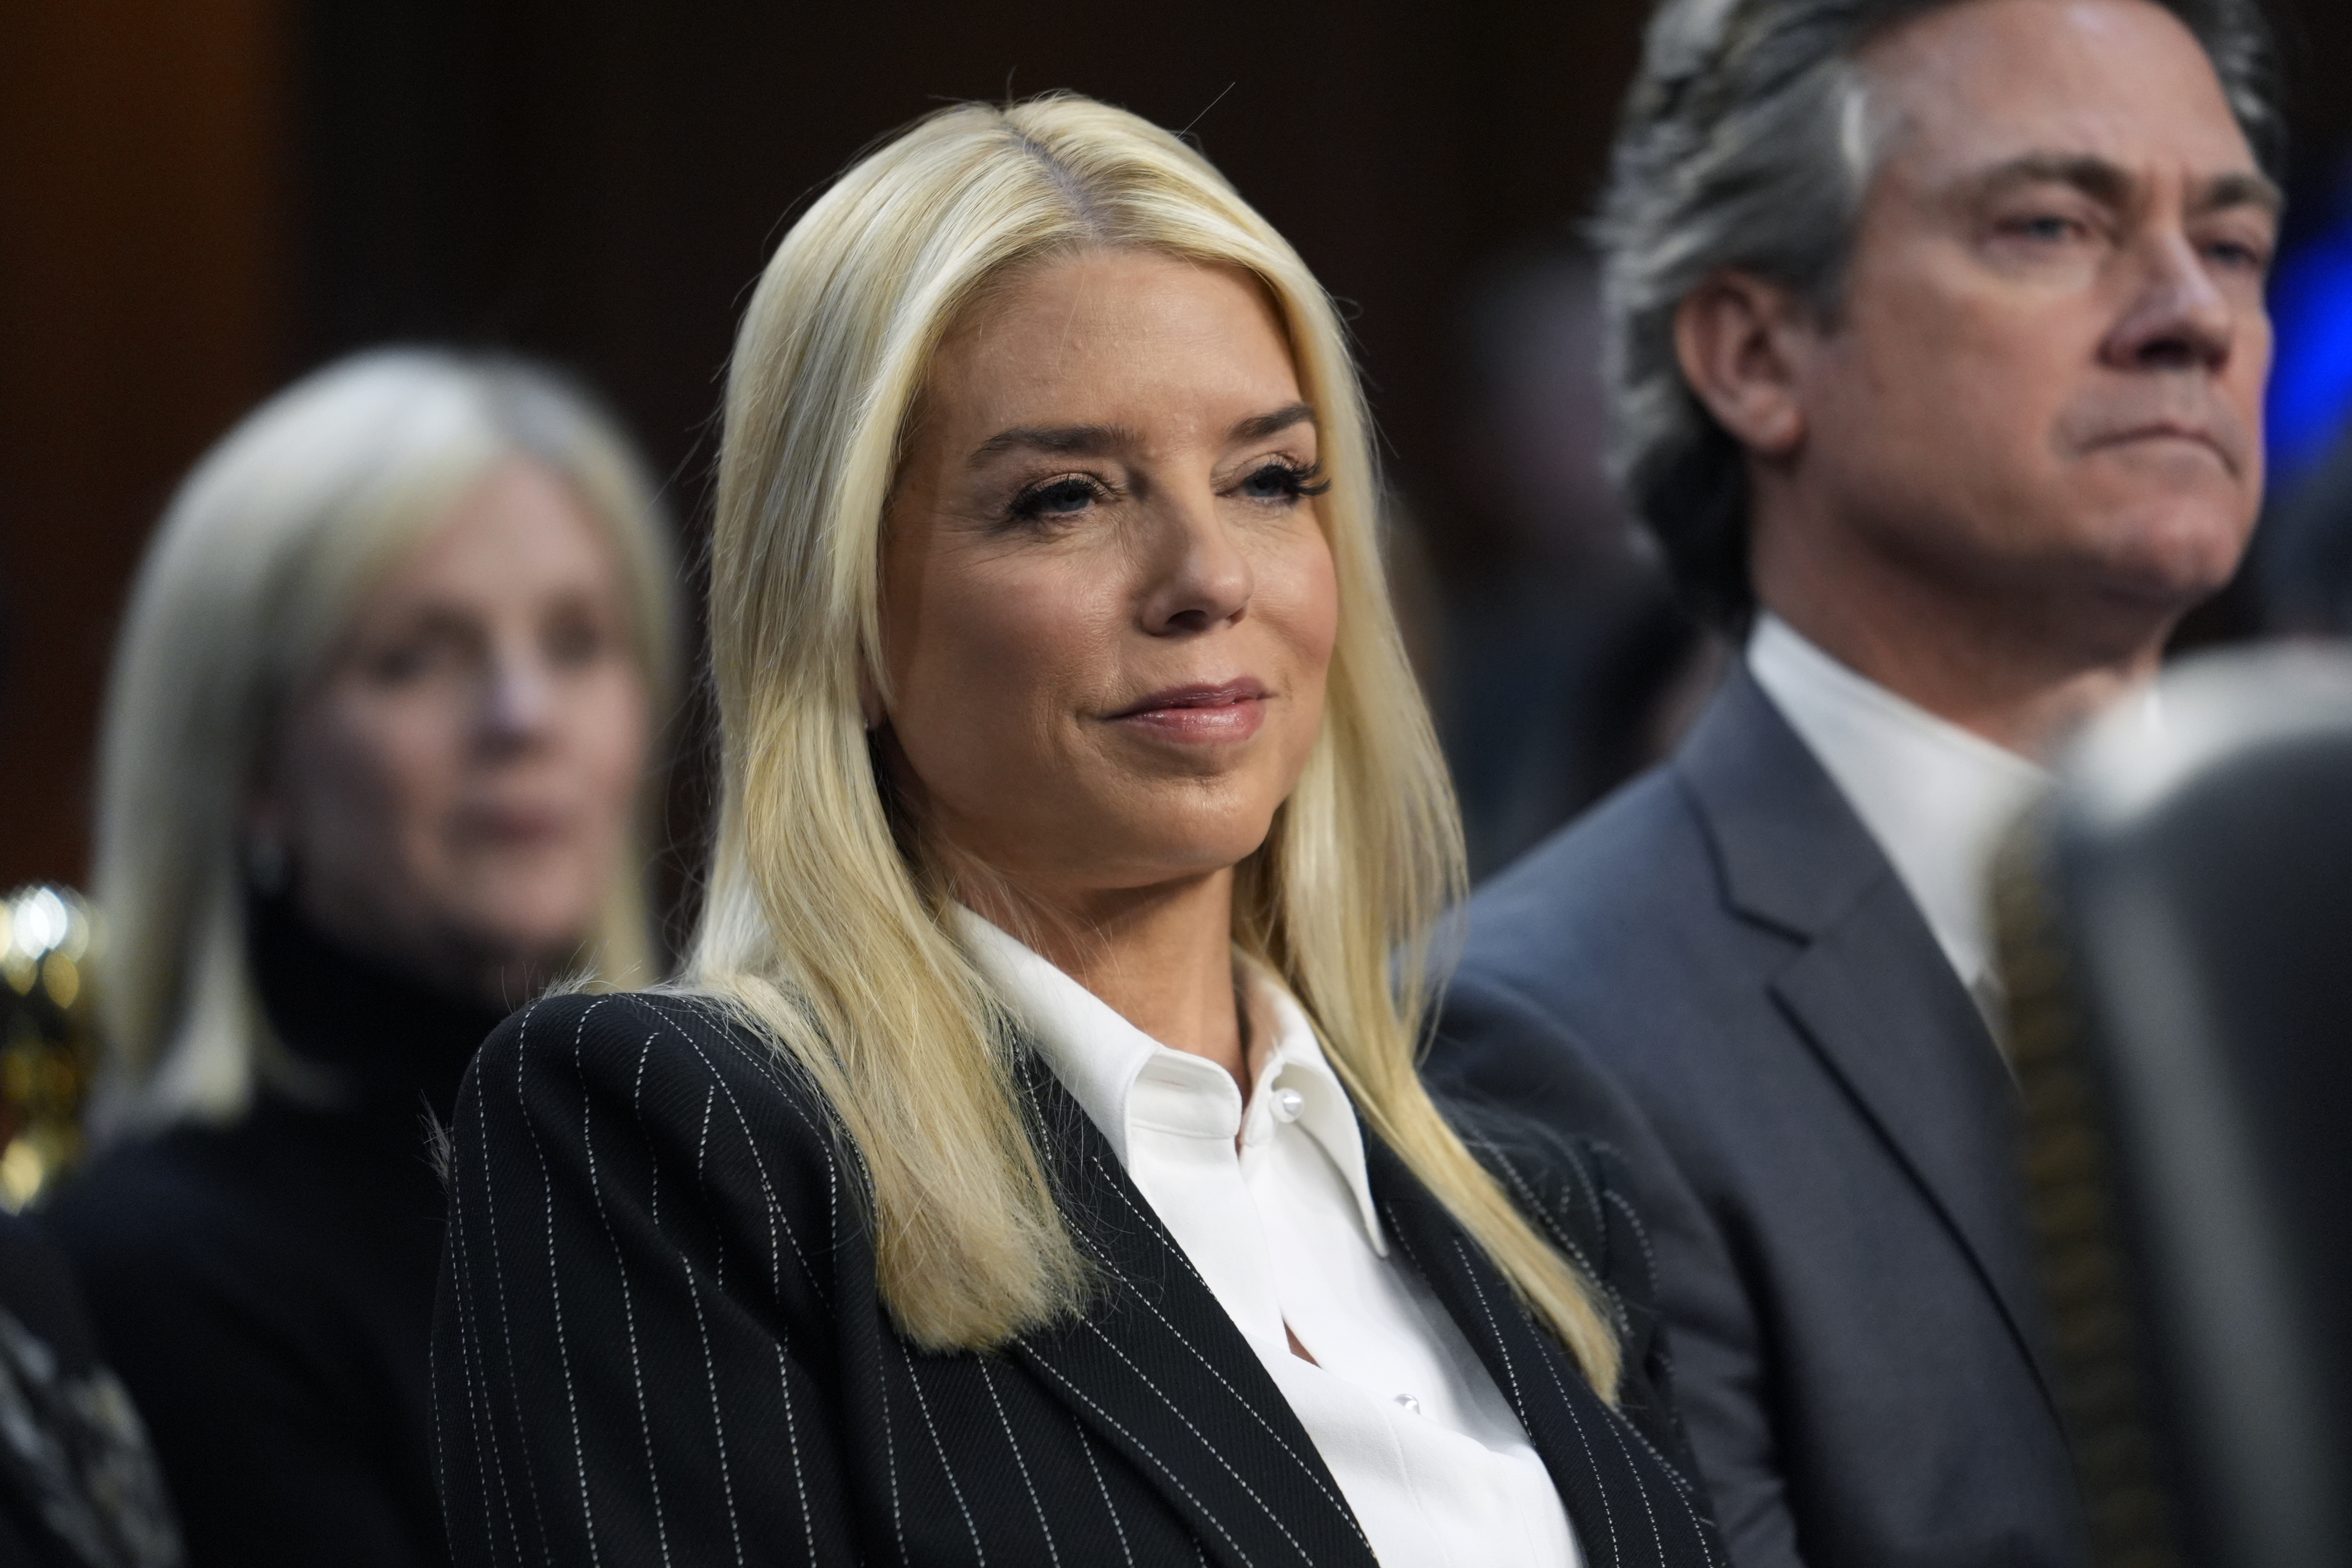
1745, 147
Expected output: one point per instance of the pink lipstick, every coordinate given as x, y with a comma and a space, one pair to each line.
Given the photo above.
1200, 715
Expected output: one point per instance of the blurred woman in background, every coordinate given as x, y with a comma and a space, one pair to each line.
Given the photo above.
375, 772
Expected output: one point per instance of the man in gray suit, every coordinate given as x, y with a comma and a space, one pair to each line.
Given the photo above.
1938, 345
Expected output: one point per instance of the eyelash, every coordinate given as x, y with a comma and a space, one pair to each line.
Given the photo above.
1301, 481
1304, 481
1030, 504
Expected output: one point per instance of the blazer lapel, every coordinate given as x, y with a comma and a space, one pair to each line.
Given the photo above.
1628, 1504
1870, 990
1158, 1371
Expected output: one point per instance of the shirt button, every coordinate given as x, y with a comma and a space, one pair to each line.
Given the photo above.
1409, 1403
1288, 1104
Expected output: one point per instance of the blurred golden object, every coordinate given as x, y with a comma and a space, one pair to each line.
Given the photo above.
47, 1045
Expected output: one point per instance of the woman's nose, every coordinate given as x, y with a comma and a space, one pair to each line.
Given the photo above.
1199, 575
518, 697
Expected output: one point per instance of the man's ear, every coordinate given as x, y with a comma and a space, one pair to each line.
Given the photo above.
1733, 335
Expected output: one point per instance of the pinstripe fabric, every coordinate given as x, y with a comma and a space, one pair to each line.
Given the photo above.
657, 1342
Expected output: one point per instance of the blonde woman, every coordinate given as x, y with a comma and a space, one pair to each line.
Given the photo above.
375, 762
1032, 1168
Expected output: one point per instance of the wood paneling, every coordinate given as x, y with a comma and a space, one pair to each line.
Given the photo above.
142, 288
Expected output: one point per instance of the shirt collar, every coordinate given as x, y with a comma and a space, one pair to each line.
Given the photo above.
1936, 798
1101, 1060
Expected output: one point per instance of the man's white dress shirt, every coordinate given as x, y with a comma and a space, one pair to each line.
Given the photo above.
1936, 798
1269, 1201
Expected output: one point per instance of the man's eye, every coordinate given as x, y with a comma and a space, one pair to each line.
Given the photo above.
2239, 256
2049, 227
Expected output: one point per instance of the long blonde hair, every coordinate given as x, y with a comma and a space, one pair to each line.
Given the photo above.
820, 928
269, 548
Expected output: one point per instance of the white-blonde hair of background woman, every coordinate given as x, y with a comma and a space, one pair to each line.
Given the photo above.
820, 926
265, 555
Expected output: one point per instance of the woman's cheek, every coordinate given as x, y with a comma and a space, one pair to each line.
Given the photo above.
617, 725
1311, 606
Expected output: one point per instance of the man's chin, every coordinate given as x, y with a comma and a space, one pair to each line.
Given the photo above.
2170, 552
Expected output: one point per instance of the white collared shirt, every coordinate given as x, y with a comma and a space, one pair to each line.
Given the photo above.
1936, 798
1270, 1202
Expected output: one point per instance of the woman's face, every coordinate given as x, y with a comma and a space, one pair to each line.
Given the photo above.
1107, 603
455, 793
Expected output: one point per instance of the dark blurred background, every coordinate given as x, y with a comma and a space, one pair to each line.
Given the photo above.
200, 199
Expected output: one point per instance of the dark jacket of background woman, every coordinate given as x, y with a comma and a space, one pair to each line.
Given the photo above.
658, 1341
265, 1288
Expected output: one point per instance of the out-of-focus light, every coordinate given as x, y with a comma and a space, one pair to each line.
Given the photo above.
2310, 402
60, 978
40, 923
23, 1167
48, 943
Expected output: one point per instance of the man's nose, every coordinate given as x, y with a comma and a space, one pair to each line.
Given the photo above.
2179, 319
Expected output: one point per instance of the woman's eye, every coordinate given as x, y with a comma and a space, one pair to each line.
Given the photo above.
1283, 482
400, 663
421, 653
574, 637
393, 666
573, 646
1058, 498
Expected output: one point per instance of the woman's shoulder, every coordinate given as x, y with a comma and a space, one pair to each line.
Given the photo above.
1573, 1187
178, 1194
1566, 1172
647, 1133
670, 1059
175, 1244
640, 1032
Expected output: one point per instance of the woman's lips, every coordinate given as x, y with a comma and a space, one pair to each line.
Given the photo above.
515, 826
1200, 715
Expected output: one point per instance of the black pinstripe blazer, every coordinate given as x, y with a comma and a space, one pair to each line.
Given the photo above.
657, 1340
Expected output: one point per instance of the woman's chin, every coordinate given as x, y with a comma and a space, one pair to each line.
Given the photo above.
529, 928
1127, 852
1159, 857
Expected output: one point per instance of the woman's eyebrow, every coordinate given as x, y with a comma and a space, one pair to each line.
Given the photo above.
1089, 441
1258, 426
1078, 440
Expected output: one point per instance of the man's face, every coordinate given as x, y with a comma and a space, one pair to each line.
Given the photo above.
2048, 371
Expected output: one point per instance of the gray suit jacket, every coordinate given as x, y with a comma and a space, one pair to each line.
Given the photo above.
1718, 972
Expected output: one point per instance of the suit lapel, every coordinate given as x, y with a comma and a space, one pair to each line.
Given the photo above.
1159, 1372
1886, 1031
1870, 990
1627, 1505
